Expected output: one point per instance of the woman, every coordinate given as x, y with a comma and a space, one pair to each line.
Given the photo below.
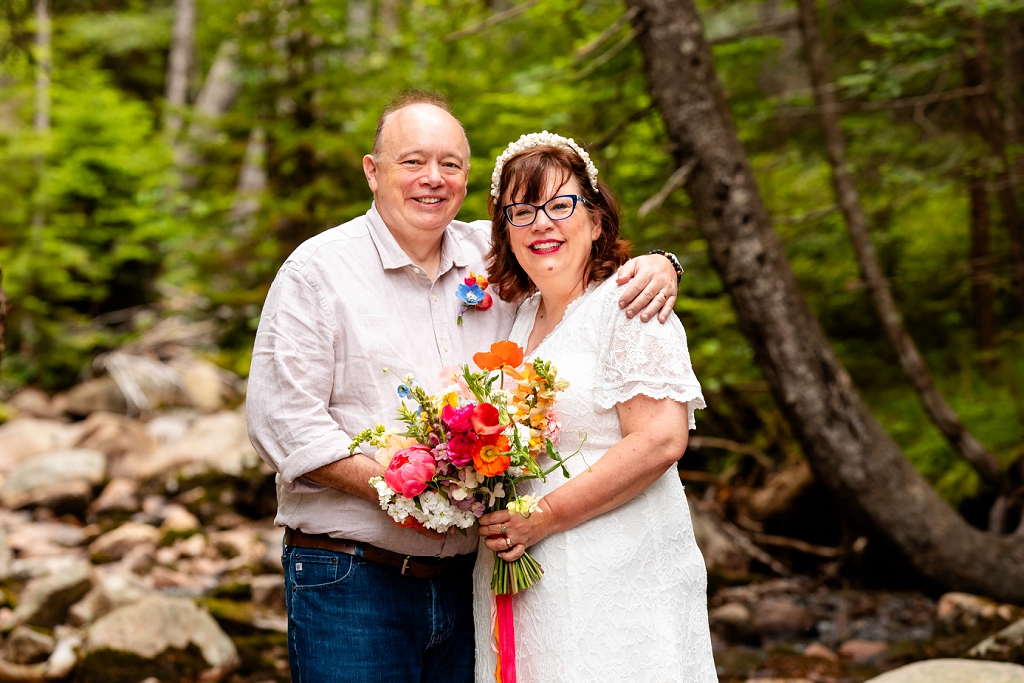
624, 593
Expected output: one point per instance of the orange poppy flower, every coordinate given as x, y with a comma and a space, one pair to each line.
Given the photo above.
488, 458
502, 354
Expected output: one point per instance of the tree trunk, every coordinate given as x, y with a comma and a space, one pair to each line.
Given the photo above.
179, 65
981, 262
983, 114
252, 182
847, 448
218, 95
885, 306
41, 117
3, 314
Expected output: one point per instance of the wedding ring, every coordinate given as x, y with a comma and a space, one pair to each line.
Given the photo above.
509, 541
504, 531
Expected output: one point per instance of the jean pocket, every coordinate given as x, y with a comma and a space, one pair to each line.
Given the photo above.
316, 569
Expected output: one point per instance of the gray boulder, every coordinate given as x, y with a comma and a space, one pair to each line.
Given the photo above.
45, 600
953, 671
167, 638
54, 479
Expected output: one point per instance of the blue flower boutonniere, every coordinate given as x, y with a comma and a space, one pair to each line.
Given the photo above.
472, 295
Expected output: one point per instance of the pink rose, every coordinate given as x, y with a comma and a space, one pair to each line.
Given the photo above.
460, 448
409, 470
457, 419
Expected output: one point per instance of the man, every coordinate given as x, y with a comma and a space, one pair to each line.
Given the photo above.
368, 600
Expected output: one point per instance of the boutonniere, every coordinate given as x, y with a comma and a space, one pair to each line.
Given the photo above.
472, 295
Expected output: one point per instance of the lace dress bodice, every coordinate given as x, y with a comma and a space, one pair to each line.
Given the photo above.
623, 594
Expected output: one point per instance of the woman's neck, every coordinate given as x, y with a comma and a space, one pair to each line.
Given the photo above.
556, 295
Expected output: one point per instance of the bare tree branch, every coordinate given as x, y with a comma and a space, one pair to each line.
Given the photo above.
490, 21
604, 35
603, 59
699, 442
783, 23
674, 182
795, 544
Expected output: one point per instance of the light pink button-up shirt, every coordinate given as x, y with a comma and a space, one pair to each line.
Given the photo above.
345, 305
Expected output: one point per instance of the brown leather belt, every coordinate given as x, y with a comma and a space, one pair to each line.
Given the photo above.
409, 565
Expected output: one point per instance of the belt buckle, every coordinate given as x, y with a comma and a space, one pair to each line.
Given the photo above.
405, 564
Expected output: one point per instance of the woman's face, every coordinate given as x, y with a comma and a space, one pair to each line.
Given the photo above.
556, 252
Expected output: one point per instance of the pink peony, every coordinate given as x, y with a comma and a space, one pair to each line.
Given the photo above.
409, 470
460, 448
457, 419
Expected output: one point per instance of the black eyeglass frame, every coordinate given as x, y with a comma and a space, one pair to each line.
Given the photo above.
507, 209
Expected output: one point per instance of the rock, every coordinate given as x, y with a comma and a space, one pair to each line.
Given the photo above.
115, 544
720, 552
27, 437
181, 582
958, 613
27, 568
44, 539
31, 402
169, 638
775, 617
119, 495
116, 436
268, 591
820, 652
1005, 646
214, 443
862, 650
953, 671
171, 426
241, 544
54, 479
45, 601
114, 587
6, 556
25, 646
731, 621
95, 395
178, 519
206, 386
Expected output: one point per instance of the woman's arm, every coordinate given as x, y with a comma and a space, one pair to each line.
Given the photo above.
655, 436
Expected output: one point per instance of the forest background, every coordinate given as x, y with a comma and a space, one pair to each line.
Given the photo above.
162, 158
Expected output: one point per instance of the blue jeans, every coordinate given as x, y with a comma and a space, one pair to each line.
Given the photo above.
351, 620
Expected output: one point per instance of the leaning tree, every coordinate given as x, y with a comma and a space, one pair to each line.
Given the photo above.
847, 448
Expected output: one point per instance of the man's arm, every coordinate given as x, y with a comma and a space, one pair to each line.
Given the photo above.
290, 385
653, 286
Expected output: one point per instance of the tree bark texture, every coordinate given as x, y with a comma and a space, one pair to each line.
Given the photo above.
882, 299
847, 448
981, 262
179, 65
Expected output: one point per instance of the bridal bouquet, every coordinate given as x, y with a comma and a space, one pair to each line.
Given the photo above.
466, 448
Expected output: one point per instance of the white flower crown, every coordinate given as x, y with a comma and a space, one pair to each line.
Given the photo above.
544, 138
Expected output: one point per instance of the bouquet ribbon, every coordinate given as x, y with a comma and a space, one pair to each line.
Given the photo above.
503, 638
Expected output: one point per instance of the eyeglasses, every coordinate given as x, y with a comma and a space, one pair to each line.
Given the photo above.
523, 214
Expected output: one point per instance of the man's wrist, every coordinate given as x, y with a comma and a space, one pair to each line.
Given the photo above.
676, 265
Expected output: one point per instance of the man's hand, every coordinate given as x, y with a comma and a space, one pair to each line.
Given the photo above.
652, 287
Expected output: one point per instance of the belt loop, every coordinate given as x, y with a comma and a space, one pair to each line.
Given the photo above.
405, 564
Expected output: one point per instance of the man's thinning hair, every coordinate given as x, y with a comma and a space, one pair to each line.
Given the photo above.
407, 98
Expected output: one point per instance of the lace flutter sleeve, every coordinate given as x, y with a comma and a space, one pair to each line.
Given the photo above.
645, 358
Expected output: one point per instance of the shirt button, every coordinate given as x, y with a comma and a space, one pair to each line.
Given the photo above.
416, 270
446, 349
434, 297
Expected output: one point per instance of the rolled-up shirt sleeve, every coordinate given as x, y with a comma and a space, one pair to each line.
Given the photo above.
291, 381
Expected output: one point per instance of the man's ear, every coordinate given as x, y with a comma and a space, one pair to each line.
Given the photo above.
370, 171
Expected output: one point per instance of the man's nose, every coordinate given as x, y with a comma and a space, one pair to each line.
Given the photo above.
433, 173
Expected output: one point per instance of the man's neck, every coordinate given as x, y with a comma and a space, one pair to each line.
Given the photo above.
424, 253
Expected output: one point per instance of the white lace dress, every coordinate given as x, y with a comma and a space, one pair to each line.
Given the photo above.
624, 595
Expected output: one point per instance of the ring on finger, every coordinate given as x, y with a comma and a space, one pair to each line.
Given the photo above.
509, 542
504, 530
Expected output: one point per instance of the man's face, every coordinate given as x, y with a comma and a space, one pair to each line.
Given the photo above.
419, 179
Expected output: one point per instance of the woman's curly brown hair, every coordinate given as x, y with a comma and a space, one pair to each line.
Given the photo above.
527, 175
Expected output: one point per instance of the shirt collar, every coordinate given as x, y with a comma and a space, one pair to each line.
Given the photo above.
393, 257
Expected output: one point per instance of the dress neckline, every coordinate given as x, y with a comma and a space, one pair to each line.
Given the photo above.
569, 310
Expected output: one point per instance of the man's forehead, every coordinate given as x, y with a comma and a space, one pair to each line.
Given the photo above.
424, 129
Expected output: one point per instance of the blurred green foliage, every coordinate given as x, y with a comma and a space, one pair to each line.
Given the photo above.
119, 231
